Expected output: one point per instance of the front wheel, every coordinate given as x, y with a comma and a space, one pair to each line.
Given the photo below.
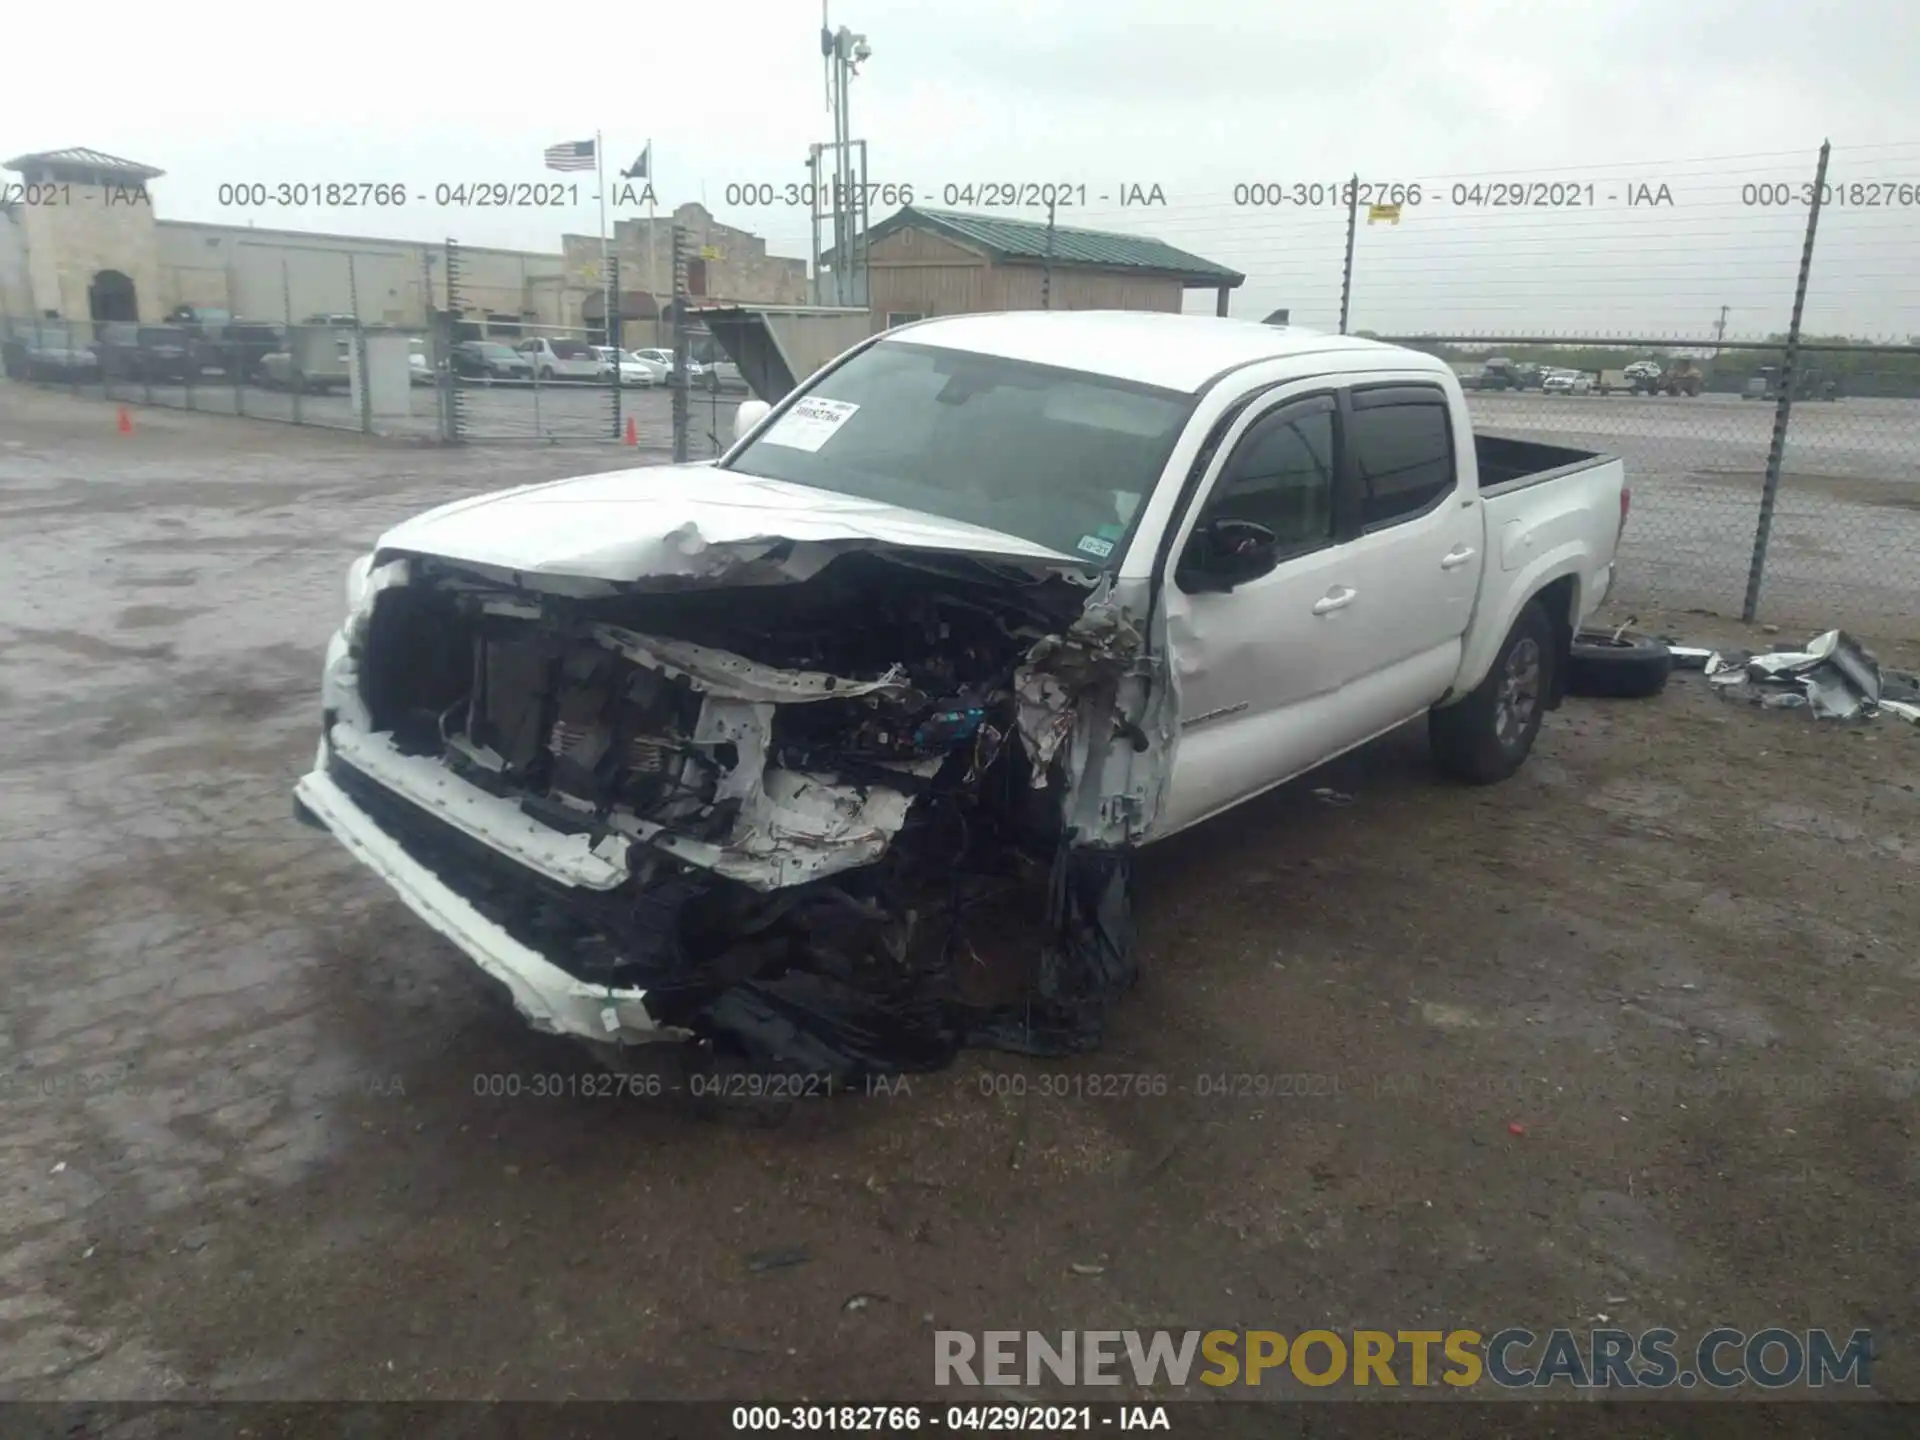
1488, 735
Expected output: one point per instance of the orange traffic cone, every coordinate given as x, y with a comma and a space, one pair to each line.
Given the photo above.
126, 422
633, 432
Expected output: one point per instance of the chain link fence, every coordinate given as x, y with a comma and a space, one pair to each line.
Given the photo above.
1774, 457
1775, 469
1841, 436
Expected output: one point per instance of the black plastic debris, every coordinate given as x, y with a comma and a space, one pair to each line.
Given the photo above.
836, 1022
1087, 963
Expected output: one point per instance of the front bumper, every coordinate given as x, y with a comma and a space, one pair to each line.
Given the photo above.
552, 1000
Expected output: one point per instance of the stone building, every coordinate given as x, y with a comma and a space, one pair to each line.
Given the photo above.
84, 243
724, 264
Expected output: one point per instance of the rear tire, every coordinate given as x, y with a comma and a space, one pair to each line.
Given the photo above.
1630, 669
1488, 735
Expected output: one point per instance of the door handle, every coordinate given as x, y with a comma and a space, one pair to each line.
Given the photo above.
1337, 598
1454, 559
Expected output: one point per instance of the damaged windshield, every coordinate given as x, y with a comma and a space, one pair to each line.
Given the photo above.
1057, 457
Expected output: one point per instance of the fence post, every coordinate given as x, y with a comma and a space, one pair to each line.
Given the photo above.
456, 406
1046, 266
359, 351
1783, 407
611, 325
681, 345
233, 361
293, 339
1346, 267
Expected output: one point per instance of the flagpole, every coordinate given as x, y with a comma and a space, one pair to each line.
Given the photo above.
607, 300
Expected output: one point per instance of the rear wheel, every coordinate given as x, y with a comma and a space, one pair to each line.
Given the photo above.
1488, 735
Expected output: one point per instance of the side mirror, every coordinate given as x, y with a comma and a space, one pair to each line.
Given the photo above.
749, 414
1226, 553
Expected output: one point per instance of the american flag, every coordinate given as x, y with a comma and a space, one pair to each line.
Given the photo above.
571, 155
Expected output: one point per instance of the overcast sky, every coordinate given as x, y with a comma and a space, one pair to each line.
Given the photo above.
1703, 96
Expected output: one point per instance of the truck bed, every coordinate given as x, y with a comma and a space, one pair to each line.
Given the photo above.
1509, 464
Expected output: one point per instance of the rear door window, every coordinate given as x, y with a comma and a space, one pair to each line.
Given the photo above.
1400, 441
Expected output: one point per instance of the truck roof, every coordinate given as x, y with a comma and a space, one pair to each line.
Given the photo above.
1174, 352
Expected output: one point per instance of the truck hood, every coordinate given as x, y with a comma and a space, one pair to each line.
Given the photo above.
695, 521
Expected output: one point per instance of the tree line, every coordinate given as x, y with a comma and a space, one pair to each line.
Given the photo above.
1855, 371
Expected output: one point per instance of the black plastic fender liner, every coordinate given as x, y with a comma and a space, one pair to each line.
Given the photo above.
805, 1022
1087, 964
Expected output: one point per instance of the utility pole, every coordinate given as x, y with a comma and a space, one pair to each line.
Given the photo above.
1719, 332
842, 53
1046, 266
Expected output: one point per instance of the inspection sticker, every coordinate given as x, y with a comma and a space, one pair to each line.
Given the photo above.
810, 424
1093, 545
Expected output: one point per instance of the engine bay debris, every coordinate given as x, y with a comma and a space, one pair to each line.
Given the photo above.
816, 825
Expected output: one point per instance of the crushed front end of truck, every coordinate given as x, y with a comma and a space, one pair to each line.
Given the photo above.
833, 809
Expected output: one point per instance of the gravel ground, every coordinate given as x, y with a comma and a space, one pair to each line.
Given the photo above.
1633, 1033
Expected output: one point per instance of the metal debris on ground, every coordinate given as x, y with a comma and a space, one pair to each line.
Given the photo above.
1835, 678
1689, 657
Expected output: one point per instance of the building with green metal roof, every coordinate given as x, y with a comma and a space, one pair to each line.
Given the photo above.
922, 262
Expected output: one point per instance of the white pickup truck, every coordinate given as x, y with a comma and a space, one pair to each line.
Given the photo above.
752, 751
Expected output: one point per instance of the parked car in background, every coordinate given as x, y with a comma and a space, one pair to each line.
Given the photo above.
565, 359
724, 375
146, 353
203, 318
1499, 373
664, 358
244, 344
635, 373
419, 364
1567, 382
49, 351
489, 360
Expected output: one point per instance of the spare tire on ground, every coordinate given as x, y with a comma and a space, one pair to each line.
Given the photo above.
1628, 668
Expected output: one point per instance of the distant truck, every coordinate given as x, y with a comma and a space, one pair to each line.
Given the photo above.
315, 360
1499, 373
1683, 377
1807, 385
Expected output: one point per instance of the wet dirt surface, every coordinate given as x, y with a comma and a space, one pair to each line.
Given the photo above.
265, 1136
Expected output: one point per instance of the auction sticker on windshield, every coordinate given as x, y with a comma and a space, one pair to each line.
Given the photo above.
810, 424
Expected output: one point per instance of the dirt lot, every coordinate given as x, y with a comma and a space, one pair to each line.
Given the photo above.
250, 1153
